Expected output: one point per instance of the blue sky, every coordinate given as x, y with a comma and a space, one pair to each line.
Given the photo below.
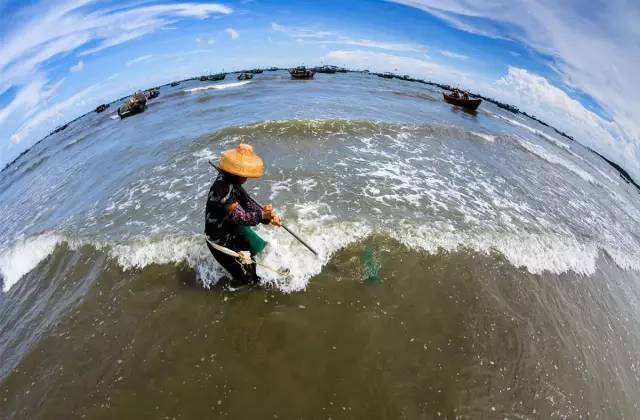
574, 66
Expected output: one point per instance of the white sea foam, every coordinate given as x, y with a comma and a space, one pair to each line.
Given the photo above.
550, 157
536, 252
218, 86
624, 259
24, 255
488, 137
289, 253
536, 131
303, 265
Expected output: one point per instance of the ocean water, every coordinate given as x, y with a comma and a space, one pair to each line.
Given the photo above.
507, 261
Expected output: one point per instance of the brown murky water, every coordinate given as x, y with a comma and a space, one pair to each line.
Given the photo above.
452, 335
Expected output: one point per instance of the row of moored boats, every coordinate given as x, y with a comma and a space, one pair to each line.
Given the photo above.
138, 101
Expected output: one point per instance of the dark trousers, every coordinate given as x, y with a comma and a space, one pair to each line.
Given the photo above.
245, 274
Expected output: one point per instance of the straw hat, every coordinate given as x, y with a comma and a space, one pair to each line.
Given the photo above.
242, 161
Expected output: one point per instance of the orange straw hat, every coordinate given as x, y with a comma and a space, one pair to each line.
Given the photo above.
242, 161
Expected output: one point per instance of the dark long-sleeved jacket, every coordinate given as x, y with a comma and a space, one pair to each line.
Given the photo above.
220, 223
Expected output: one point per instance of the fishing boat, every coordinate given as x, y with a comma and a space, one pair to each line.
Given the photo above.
101, 108
255, 71
386, 75
174, 84
59, 129
245, 76
301, 72
204, 78
152, 93
216, 77
325, 69
470, 104
134, 105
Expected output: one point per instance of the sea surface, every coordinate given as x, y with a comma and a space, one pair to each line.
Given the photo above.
471, 265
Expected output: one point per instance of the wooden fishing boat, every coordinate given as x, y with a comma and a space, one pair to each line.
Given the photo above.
471, 104
325, 69
101, 108
301, 72
245, 76
134, 105
216, 77
152, 93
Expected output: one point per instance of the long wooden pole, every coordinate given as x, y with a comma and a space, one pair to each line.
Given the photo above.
283, 225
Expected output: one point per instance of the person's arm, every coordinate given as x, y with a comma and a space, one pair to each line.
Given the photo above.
251, 206
245, 217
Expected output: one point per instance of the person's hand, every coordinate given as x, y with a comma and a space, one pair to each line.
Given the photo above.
276, 220
267, 212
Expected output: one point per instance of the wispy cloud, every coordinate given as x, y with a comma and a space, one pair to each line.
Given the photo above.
52, 30
138, 60
233, 34
52, 113
324, 37
36, 93
596, 52
77, 67
65, 26
537, 95
278, 28
382, 61
452, 54
383, 45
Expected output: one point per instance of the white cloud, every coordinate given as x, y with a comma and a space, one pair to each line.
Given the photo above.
211, 41
198, 39
52, 113
77, 67
536, 95
278, 28
382, 45
201, 51
594, 50
379, 61
55, 29
27, 101
322, 37
232, 33
50, 30
138, 60
306, 33
452, 54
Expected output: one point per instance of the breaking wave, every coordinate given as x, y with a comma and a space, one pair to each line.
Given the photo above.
218, 86
23, 256
533, 252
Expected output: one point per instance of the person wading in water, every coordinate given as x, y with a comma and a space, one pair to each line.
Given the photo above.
230, 211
